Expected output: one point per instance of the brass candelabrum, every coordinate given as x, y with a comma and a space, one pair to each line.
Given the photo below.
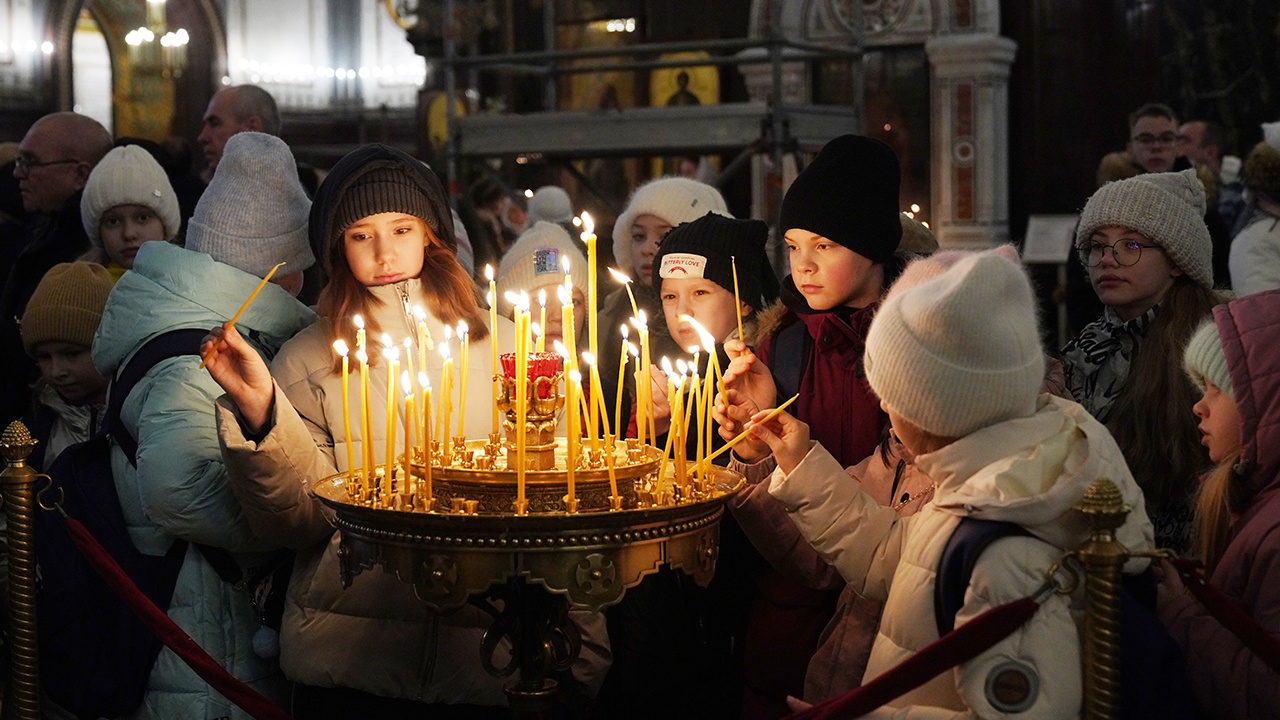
450, 531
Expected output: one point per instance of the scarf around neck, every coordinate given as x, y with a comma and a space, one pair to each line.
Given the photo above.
1097, 361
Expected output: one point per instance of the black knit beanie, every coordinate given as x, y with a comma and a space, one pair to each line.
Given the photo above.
710, 246
848, 194
386, 187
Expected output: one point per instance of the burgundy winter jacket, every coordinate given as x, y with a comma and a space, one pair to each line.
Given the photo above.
1229, 680
787, 618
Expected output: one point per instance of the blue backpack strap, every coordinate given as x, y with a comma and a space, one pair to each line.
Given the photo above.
955, 567
790, 349
173, 343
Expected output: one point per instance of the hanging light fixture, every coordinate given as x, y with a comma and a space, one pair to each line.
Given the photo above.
153, 49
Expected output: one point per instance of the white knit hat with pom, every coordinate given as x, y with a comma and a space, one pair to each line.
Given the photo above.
673, 199
959, 351
128, 175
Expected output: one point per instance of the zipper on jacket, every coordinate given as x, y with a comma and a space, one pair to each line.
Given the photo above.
410, 322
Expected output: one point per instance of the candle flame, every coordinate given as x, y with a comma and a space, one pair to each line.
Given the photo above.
632, 350
340, 347
694, 350
386, 340
588, 358
359, 321
391, 353
577, 222
620, 276
665, 364
708, 340
563, 292
588, 227
407, 345
512, 298
488, 296
463, 330
407, 381
564, 263
575, 376
536, 329
419, 313
624, 331
444, 350
682, 367
448, 334
423, 381
362, 356
488, 272
542, 297
561, 349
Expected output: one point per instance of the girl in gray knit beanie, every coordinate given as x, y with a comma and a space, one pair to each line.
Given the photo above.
1149, 257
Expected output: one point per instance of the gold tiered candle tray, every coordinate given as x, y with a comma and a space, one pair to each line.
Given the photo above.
474, 540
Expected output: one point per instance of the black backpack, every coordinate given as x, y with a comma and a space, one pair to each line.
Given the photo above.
95, 654
1154, 684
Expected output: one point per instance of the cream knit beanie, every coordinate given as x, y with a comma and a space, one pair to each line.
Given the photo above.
254, 212
674, 199
1167, 208
535, 261
961, 351
128, 175
67, 305
1204, 359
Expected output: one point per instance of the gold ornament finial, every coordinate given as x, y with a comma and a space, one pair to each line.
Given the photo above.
1103, 506
16, 443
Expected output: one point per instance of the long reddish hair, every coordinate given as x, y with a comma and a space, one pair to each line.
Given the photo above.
451, 294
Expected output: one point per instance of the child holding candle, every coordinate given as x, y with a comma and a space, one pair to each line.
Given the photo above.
536, 262
252, 216
957, 362
840, 222
384, 221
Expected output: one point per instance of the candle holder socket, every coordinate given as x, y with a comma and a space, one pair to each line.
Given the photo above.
544, 401
458, 505
634, 450
570, 504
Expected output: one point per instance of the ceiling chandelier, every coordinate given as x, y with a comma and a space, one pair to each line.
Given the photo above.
153, 48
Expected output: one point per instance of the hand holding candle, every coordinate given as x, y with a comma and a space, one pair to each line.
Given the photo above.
204, 359
772, 414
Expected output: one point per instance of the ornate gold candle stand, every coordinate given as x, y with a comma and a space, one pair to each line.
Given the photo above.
539, 565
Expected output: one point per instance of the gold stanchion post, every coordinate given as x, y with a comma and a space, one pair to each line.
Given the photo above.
1103, 557
17, 484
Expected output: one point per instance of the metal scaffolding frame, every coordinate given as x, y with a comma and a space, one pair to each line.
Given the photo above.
748, 128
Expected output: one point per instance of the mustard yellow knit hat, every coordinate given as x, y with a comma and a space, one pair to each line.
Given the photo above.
67, 305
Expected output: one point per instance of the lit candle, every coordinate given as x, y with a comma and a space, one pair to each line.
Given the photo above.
678, 427
392, 356
626, 283
410, 422
464, 348
341, 348
697, 396
671, 392
366, 422
425, 382
570, 343
522, 399
494, 387
593, 405
598, 391
572, 389
593, 296
446, 393
622, 373
737, 299
204, 359
542, 320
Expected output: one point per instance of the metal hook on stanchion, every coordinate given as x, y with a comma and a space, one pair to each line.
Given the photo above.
40, 500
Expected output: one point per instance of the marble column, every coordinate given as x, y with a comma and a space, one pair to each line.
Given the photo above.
970, 120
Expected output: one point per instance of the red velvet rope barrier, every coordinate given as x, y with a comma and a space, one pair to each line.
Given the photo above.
958, 646
168, 631
1227, 612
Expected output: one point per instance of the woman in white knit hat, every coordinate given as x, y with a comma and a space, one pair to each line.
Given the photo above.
1150, 260
127, 201
958, 366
